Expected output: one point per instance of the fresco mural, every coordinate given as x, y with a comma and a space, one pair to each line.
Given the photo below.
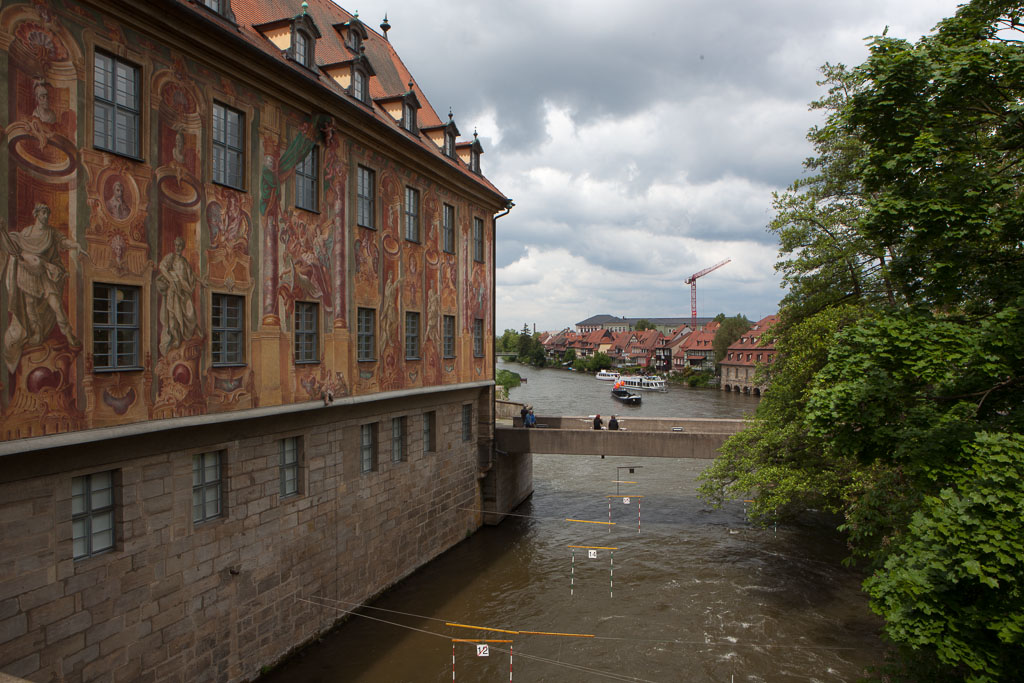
392, 332
41, 271
180, 336
75, 215
432, 343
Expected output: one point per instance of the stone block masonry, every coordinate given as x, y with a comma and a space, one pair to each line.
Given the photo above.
177, 600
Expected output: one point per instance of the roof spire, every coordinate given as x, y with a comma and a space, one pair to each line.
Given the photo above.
385, 26
449, 114
305, 7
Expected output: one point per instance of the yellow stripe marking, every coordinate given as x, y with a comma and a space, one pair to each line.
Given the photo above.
479, 628
592, 547
586, 521
568, 635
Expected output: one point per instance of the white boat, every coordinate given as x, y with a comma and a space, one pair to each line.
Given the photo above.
607, 375
645, 382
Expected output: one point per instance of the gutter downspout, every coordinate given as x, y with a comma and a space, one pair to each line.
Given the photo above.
494, 304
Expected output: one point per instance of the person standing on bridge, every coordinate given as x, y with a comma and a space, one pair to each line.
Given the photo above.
598, 422
523, 413
531, 419
613, 424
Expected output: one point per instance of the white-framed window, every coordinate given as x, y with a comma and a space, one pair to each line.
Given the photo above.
448, 335
227, 330
302, 50
449, 144
412, 214
409, 117
366, 194
207, 486
307, 175
288, 466
366, 334
412, 335
92, 514
368, 447
398, 439
116, 106
448, 228
115, 327
228, 146
359, 90
307, 337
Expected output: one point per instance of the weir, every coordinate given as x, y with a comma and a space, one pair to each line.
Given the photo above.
509, 479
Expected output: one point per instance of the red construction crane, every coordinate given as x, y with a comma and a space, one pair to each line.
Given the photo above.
692, 281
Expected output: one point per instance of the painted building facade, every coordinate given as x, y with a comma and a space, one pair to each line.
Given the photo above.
247, 312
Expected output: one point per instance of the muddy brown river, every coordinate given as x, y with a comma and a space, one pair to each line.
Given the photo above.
688, 593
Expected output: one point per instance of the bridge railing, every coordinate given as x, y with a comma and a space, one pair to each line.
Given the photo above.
638, 437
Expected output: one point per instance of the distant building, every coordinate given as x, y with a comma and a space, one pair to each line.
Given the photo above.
740, 363
666, 326
696, 351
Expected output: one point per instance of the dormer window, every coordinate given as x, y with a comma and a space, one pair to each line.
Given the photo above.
355, 40
302, 49
449, 144
216, 5
409, 117
359, 90
474, 161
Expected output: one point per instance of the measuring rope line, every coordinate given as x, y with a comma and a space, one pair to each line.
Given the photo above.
675, 641
554, 662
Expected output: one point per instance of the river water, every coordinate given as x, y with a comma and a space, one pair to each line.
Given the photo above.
688, 593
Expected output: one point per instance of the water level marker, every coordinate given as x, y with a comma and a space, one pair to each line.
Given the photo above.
625, 501
482, 650
592, 554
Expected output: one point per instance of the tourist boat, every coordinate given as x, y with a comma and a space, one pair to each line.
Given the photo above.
645, 382
628, 397
607, 375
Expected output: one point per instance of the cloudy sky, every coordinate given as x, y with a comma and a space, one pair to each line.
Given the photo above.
640, 141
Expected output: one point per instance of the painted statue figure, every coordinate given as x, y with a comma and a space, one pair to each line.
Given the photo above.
176, 282
34, 278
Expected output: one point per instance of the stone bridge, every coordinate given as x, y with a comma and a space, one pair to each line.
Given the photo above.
509, 479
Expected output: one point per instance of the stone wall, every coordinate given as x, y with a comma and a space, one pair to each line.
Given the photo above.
216, 601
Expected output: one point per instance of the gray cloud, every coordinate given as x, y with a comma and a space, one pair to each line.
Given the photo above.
639, 146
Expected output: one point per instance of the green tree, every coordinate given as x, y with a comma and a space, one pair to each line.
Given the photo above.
508, 341
644, 324
730, 330
529, 349
569, 356
895, 400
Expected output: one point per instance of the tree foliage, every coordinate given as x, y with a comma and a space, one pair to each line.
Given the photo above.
895, 398
644, 324
508, 341
730, 330
529, 350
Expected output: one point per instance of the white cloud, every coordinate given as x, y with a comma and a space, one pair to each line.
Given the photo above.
640, 145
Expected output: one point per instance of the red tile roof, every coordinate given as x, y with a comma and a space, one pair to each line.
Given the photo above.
392, 78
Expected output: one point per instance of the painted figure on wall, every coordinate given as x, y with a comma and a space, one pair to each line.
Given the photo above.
43, 112
34, 278
117, 205
176, 282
